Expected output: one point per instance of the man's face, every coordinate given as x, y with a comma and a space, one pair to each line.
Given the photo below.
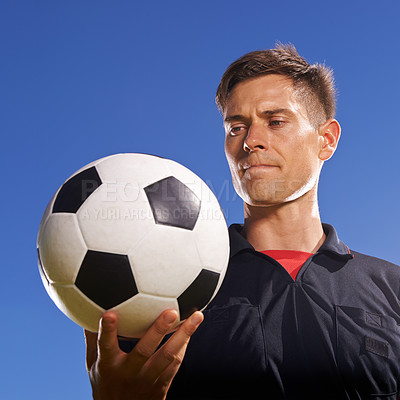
270, 145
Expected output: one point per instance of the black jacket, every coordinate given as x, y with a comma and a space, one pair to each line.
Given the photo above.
332, 334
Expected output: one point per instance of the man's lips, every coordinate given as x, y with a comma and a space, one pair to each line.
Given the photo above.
246, 166
252, 170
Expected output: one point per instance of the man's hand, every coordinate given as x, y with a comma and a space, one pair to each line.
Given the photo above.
144, 373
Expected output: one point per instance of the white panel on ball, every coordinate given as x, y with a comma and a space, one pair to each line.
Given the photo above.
46, 214
61, 232
211, 236
76, 306
139, 170
136, 315
111, 222
165, 262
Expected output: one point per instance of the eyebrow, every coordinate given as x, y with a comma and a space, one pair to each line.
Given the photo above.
267, 113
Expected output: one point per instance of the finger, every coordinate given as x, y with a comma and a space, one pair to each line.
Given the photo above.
172, 352
148, 344
165, 379
91, 348
108, 346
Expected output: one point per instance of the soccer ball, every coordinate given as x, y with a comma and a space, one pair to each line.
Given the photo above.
134, 233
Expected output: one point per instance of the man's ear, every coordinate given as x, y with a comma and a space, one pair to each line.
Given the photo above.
329, 133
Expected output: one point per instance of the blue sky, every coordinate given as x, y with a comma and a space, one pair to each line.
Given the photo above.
84, 79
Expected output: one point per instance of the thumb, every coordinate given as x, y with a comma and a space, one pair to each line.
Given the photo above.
108, 347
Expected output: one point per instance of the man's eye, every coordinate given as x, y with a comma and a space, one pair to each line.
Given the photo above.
236, 129
276, 122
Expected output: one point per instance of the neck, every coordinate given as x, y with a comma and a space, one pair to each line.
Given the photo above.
295, 225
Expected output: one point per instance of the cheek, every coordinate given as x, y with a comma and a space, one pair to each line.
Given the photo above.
227, 150
304, 159
232, 153
306, 147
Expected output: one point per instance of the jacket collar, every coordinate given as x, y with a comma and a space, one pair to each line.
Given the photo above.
332, 243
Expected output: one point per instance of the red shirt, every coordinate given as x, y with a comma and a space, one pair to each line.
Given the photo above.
291, 260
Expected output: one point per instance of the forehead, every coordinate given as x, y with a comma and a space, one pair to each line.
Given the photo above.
264, 92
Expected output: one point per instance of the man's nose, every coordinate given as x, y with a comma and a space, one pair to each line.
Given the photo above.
256, 138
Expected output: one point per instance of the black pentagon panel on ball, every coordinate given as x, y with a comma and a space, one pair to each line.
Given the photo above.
76, 190
198, 294
106, 278
173, 203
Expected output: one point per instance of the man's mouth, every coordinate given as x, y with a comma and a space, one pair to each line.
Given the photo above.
253, 166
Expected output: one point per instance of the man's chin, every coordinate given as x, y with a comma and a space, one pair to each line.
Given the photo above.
262, 201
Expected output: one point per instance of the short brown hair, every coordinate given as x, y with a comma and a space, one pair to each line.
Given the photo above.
314, 84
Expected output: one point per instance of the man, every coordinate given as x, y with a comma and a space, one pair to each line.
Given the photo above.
299, 315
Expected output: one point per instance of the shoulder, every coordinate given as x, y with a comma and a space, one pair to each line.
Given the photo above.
376, 268
367, 260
